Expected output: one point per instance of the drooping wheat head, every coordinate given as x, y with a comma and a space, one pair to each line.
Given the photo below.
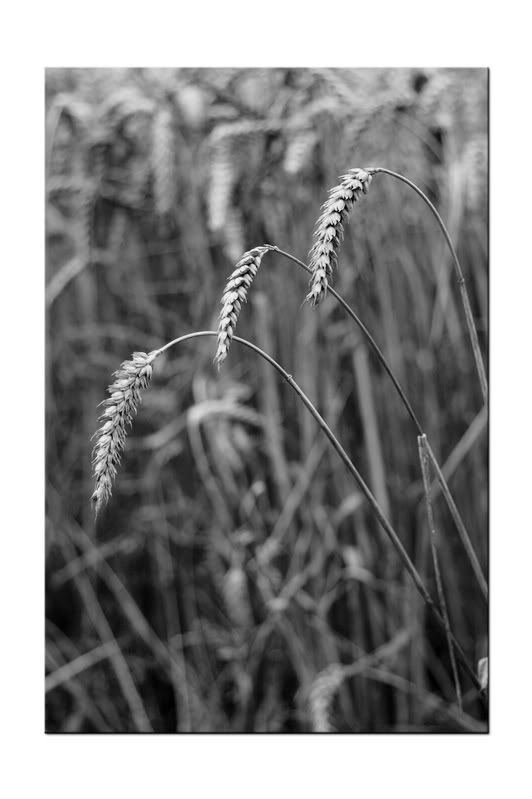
235, 293
329, 230
131, 379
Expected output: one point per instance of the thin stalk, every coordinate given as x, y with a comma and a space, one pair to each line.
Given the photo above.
460, 526
425, 472
347, 308
460, 275
385, 524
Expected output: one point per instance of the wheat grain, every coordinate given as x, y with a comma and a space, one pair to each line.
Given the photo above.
131, 379
235, 293
329, 229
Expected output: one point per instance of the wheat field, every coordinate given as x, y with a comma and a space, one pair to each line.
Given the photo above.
235, 578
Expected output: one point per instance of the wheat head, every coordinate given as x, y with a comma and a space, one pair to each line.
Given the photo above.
235, 293
131, 379
329, 229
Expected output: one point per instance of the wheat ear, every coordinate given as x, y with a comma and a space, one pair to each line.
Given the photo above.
131, 379
330, 227
235, 293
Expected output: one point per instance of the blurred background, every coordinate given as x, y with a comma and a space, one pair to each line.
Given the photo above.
237, 561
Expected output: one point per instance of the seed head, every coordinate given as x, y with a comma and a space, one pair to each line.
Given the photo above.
329, 230
131, 379
235, 293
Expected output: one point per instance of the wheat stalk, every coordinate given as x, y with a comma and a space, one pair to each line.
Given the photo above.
466, 541
473, 336
235, 293
424, 461
131, 379
133, 376
329, 229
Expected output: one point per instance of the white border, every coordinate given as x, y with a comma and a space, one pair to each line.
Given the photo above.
303, 34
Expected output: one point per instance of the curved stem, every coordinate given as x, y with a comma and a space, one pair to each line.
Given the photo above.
425, 472
460, 275
385, 524
460, 526
347, 308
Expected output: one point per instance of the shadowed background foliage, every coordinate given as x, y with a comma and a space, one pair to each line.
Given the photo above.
171, 614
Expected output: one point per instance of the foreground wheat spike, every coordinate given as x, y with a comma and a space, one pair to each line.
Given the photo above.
329, 229
235, 293
131, 379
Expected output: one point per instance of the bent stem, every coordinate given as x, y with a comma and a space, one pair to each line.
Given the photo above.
460, 526
385, 524
425, 473
460, 275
